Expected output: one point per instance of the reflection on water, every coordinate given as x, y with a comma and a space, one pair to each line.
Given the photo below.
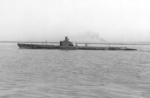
73, 74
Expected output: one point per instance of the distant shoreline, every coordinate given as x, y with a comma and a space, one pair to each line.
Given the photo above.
127, 43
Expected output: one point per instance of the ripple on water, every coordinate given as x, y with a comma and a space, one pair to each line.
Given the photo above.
73, 74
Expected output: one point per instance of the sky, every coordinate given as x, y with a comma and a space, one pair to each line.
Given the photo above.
80, 20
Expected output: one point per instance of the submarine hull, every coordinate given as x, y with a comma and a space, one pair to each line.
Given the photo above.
36, 46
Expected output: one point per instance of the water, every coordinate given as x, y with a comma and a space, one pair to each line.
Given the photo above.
26, 73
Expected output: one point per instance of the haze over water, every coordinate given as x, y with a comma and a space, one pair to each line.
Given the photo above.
26, 73
51, 20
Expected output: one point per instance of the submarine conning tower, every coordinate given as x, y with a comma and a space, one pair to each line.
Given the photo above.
66, 42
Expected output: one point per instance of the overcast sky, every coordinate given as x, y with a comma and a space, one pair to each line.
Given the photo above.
80, 20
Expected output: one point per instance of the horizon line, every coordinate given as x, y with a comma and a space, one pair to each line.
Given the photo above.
108, 43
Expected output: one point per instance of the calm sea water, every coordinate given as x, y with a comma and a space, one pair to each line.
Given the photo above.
26, 73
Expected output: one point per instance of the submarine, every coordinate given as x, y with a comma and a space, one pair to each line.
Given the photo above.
67, 45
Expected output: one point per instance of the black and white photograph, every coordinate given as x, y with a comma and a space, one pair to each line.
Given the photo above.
74, 48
